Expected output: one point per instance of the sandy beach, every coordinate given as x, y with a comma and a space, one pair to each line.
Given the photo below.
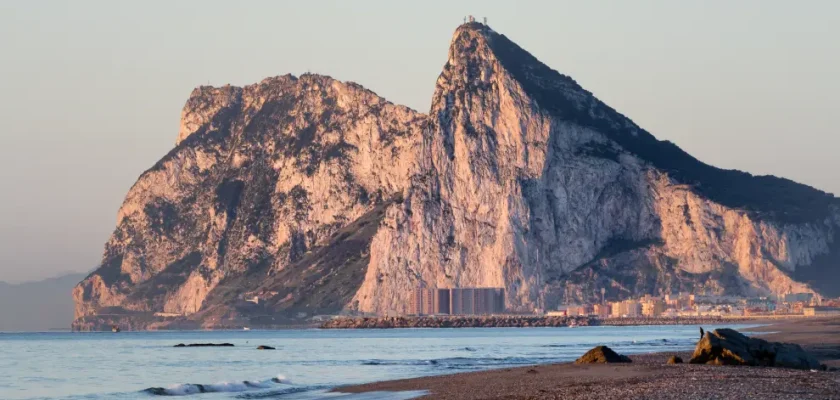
649, 377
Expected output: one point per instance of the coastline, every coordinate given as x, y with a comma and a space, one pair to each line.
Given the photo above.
525, 321
648, 377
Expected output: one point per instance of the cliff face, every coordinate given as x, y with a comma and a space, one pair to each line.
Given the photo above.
260, 176
318, 196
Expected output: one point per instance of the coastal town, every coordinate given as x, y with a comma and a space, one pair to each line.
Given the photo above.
691, 305
488, 301
484, 307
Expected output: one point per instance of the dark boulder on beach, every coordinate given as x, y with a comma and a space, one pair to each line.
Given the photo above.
675, 360
265, 348
730, 347
602, 354
204, 345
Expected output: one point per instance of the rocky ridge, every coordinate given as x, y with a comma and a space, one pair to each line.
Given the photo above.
319, 197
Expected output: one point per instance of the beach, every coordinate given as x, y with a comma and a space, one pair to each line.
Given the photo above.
649, 377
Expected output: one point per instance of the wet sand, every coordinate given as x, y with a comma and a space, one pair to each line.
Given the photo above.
649, 377
819, 336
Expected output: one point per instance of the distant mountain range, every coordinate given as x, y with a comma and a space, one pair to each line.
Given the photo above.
317, 196
39, 305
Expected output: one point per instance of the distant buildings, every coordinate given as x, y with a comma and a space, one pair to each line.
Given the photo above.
670, 305
799, 298
760, 304
653, 307
457, 301
484, 301
679, 301
441, 302
821, 311
684, 304
601, 310
569, 311
626, 308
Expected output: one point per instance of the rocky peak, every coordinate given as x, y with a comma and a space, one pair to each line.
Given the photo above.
476, 47
470, 42
203, 103
318, 196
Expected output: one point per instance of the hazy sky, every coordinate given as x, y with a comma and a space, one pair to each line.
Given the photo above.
91, 91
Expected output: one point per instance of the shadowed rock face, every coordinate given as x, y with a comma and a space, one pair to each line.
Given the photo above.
318, 196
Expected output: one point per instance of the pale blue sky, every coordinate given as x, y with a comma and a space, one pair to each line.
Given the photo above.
91, 91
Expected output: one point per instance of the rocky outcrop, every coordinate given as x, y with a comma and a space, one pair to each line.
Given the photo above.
729, 347
601, 355
271, 188
316, 196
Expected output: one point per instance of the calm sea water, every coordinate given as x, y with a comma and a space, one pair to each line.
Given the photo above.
144, 365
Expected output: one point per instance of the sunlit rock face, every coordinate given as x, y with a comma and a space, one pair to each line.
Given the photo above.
317, 196
261, 175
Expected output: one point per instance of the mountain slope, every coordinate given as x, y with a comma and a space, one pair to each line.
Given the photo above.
260, 175
318, 196
535, 185
39, 305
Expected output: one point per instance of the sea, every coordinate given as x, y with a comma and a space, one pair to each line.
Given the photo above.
306, 363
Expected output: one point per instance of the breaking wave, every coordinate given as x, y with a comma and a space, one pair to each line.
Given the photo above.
196, 388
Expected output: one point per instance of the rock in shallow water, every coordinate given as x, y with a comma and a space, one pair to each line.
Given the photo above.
730, 347
602, 354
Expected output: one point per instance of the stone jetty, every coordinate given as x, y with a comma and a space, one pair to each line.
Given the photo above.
508, 321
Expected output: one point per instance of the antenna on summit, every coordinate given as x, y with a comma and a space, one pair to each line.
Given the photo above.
485, 20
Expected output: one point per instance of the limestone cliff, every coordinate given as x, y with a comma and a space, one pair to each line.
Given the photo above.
318, 196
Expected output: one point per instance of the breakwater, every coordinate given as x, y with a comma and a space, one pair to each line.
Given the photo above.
634, 321
510, 321
497, 321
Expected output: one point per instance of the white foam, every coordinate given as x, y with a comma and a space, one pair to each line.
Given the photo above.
185, 389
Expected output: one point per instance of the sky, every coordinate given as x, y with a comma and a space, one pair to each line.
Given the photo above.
91, 91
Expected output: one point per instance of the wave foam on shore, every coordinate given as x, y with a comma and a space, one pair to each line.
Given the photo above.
185, 389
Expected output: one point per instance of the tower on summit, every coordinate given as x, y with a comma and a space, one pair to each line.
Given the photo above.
471, 19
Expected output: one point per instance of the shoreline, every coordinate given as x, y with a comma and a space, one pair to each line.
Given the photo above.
531, 321
648, 377
131, 323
